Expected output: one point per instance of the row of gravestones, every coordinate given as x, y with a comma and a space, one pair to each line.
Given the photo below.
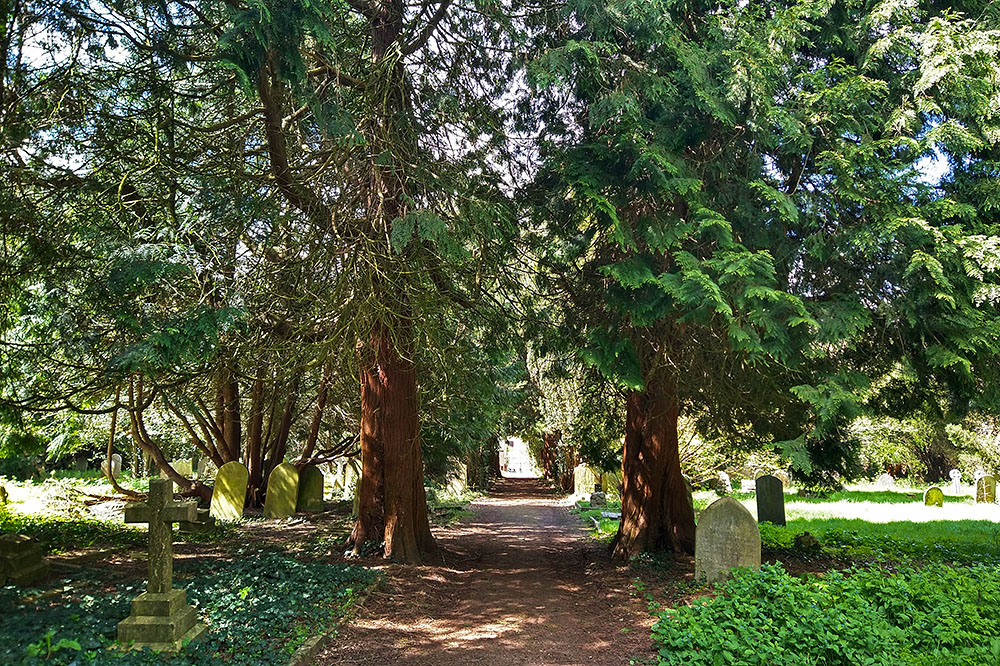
288, 490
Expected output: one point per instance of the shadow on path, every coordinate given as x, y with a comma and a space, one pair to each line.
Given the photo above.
517, 583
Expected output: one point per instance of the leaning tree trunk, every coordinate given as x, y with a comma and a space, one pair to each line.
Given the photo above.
656, 513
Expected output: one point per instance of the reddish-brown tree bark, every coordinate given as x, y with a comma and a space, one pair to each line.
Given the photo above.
392, 506
656, 513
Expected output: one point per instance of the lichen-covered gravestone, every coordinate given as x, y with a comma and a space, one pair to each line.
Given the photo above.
161, 618
986, 490
21, 561
310, 498
770, 500
726, 537
230, 491
934, 496
282, 491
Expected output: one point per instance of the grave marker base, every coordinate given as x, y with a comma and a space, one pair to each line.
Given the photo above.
161, 622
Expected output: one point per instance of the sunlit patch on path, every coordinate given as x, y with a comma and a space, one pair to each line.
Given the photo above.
518, 583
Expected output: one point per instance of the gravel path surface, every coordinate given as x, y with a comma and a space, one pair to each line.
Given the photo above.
518, 583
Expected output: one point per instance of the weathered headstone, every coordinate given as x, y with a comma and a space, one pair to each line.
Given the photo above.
21, 561
458, 479
183, 467
748, 486
310, 497
116, 466
725, 484
786, 481
885, 482
161, 618
726, 537
598, 498
770, 500
585, 478
229, 493
81, 461
933, 496
282, 491
986, 490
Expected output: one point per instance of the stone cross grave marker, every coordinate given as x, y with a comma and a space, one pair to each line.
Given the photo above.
956, 481
310, 497
885, 482
230, 491
282, 491
21, 561
726, 537
770, 500
934, 496
986, 490
161, 618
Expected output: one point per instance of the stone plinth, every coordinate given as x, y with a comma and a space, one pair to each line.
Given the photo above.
21, 561
160, 621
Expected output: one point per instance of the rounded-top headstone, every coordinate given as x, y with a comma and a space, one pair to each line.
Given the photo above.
584, 479
726, 537
230, 491
934, 496
885, 482
770, 500
310, 498
986, 490
282, 492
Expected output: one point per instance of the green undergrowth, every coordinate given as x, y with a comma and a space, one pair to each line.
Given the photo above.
57, 533
605, 528
259, 608
957, 541
933, 616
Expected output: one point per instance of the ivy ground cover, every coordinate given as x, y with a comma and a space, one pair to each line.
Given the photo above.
259, 608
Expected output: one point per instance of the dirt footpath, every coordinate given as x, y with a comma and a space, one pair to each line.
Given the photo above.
518, 583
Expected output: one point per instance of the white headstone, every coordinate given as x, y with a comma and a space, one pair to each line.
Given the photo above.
116, 466
885, 482
748, 486
725, 484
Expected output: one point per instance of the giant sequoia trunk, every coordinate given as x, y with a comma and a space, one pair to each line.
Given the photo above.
392, 505
656, 512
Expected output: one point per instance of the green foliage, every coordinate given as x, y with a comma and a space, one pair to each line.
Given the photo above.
880, 617
235, 598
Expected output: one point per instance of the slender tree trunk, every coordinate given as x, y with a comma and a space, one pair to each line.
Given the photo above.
255, 444
656, 513
370, 523
317, 420
550, 448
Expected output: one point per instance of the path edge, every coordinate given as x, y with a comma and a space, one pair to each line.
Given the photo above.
312, 647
